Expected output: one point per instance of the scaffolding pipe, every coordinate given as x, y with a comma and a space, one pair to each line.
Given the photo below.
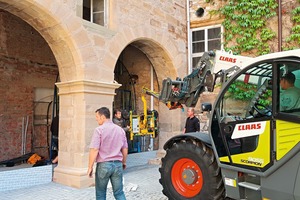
22, 132
151, 144
25, 135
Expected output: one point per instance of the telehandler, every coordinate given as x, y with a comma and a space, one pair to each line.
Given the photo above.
252, 149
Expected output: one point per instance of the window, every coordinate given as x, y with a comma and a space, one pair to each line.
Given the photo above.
289, 85
246, 104
95, 11
249, 95
205, 39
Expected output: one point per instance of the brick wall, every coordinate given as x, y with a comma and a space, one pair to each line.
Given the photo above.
26, 63
137, 63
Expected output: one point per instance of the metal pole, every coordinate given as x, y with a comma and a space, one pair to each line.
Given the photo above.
189, 58
279, 26
151, 143
22, 146
25, 134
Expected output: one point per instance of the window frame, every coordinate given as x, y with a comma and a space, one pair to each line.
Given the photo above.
105, 12
206, 40
221, 133
284, 115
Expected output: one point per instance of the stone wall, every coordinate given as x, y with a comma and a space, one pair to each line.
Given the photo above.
86, 54
164, 16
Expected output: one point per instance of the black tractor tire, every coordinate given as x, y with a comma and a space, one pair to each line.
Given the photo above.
184, 161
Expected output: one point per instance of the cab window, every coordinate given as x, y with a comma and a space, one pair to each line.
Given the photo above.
289, 88
247, 98
249, 95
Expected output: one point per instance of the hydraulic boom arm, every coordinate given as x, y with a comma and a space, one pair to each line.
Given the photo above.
188, 90
177, 92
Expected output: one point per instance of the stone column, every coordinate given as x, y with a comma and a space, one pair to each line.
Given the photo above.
78, 101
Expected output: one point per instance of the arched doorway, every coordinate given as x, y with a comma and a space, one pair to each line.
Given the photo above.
64, 53
145, 63
136, 74
29, 72
86, 60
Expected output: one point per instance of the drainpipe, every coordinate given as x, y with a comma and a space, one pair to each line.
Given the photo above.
279, 26
188, 36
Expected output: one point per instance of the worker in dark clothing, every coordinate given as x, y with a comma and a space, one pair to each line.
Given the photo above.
192, 123
117, 119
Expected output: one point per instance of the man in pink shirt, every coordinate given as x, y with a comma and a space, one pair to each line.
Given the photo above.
109, 150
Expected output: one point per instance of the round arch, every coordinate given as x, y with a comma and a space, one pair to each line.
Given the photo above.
60, 28
76, 51
168, 58
162, 52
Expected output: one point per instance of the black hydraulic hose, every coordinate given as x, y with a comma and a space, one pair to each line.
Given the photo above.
55, 110
49, 144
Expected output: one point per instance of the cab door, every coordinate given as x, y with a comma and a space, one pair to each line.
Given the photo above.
287, 113
242, 118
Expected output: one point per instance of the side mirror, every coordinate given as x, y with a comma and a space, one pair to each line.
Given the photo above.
206, 107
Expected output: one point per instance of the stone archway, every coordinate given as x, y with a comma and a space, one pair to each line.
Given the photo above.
86, 62
64, 40
168, 61
80, 89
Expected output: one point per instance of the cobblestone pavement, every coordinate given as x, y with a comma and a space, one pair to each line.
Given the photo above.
141, 183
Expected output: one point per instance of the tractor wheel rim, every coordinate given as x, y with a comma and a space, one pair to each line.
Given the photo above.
187, 177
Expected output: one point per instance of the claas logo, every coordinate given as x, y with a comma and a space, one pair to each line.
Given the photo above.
227, 59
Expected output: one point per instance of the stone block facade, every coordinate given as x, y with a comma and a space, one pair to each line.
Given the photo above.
52, 37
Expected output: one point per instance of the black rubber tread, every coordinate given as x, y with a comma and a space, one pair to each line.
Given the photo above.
213, 187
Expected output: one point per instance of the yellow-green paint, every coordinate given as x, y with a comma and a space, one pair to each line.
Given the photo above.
287, 136
261, 153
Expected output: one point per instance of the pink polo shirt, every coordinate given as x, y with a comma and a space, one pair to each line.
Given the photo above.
109, 138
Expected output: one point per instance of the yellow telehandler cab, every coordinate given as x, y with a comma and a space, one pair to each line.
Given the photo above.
252, 149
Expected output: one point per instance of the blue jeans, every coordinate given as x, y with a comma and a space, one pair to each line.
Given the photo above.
113, 171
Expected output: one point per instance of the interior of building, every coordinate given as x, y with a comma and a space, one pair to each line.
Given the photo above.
136, 74
28, 75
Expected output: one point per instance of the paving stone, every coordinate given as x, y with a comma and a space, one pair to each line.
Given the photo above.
141, 183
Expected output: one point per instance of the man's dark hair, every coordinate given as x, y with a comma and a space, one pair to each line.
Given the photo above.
104, 111
290, 77
117, 110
